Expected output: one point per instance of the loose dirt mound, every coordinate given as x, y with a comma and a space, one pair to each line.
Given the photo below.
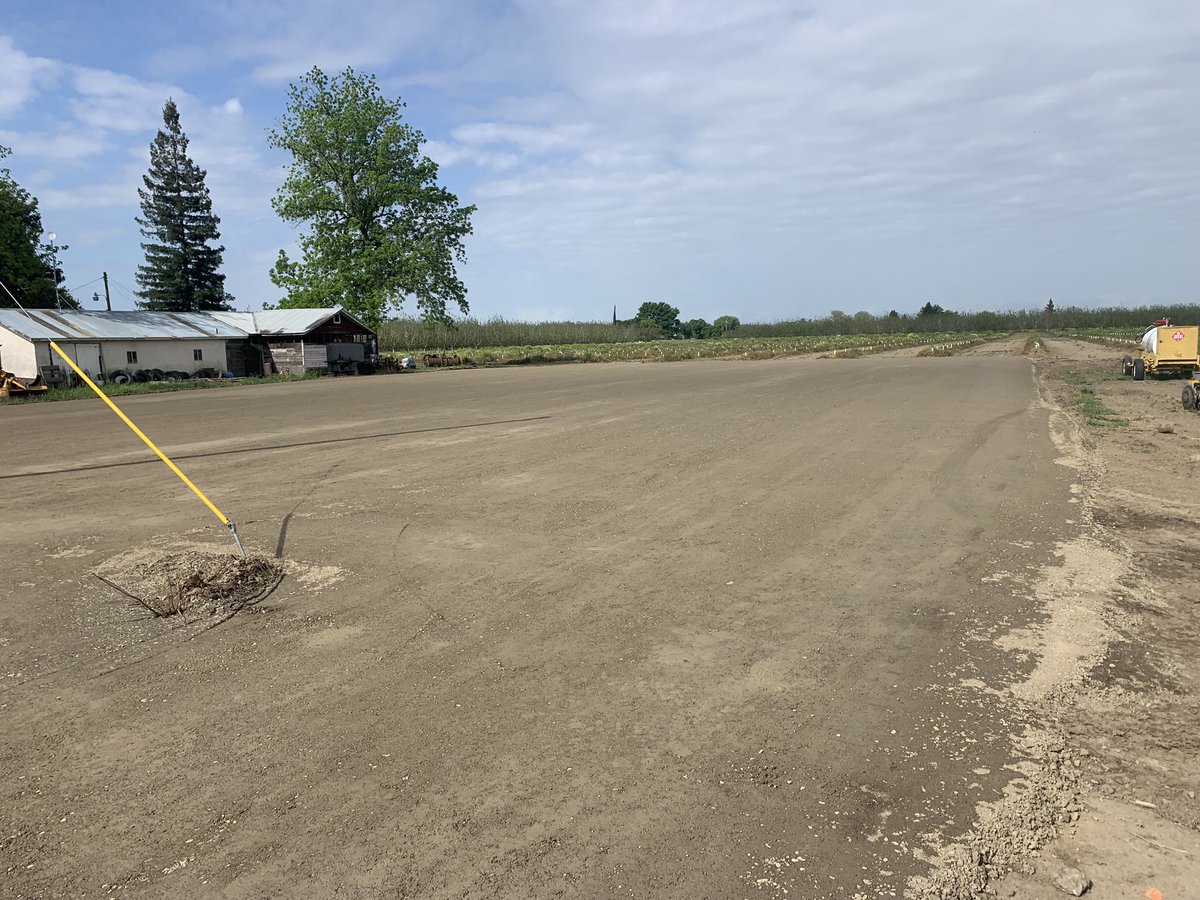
194, 581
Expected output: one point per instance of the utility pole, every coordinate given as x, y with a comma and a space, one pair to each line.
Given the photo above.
54, 271
107, 297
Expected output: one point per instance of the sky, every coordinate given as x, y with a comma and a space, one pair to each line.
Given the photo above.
764, 159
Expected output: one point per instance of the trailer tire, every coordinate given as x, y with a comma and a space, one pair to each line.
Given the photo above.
1189, 397
1139, 369
1127, 365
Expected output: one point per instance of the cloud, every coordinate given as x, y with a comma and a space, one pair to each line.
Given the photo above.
697, 151
675, 131
21, 76
113, 101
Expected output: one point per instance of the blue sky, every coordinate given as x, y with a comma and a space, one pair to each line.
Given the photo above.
762, 159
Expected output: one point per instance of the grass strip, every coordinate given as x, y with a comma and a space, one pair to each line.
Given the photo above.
147, 387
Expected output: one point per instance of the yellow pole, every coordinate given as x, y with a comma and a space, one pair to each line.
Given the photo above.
149, 443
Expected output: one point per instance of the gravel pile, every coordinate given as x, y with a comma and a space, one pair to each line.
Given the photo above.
1012, 831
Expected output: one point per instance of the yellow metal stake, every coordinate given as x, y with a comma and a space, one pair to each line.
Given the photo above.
149, 443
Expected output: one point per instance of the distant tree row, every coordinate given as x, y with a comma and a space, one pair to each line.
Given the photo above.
661, 320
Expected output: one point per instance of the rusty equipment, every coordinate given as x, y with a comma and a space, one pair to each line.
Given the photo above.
433, 360
11, 385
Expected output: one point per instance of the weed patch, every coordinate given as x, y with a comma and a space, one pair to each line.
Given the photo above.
1098, 415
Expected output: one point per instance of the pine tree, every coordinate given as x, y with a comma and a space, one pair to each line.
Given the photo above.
181, 272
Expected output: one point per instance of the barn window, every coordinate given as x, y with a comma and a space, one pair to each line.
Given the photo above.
130, 356
198, 355
337, 318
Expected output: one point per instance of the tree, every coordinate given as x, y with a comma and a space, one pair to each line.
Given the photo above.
662, 316
931, 309
181, 272
27, 265
698, 328
726, 323
380, 227
1050, 305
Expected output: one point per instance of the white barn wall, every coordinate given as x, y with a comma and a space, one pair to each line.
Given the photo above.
165, 355
18, 355
24, 358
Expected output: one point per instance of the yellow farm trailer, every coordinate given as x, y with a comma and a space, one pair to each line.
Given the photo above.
1166, 350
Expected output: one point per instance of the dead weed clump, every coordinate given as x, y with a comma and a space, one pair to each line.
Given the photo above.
1034, 346
196, 581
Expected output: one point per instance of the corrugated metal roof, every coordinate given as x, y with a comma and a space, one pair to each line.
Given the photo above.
49, 324
292, 321
85, 325
242, 320
280, 321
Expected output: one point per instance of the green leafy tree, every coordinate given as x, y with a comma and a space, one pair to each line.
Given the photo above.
380, 227
182, 268
931, 309
662, 316
27, 265
726, 323
698, 328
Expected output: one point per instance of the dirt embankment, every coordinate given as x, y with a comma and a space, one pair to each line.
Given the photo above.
1120, 649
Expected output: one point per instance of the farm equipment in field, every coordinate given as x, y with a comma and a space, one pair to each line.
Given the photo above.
1166, 350
1191, 394
11, 385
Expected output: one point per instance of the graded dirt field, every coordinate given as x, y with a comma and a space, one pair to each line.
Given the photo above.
786, 628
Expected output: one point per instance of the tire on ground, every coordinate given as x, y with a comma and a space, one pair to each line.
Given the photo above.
1189, 397
1139, 369
1127, 365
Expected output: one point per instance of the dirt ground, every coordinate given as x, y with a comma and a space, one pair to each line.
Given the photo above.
850, 628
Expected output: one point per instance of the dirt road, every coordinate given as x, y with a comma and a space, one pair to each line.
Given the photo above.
713, 629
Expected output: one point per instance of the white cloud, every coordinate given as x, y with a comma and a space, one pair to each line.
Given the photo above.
699, 151
21, 76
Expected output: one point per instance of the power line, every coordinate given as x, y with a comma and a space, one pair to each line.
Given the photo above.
93, 281
126, 291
